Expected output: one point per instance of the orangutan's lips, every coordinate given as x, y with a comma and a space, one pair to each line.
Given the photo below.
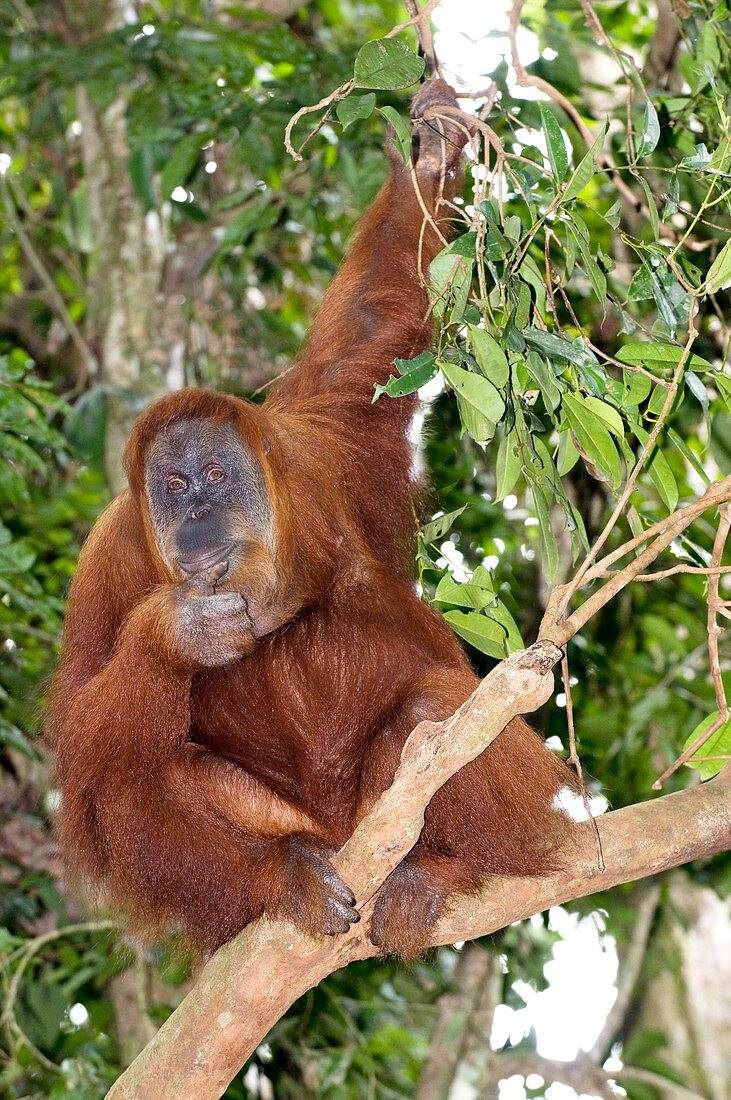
206, 561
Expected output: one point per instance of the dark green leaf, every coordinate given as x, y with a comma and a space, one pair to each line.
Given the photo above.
355, 107
401, 129
436, 529
555, 144
414, 373
180, 163
484, 634
659, 355
387, 63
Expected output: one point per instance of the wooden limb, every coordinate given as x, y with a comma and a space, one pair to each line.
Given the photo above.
560, 629
251, 981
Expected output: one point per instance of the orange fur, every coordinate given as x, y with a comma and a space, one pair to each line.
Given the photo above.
205, 796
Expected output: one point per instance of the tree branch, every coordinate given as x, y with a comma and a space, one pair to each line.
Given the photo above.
251, 981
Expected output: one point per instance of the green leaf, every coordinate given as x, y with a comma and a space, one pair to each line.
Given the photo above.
436, 529
555, 144
650, 131
387, 64
465, 593
608, 414
508, 465
552, 345
567, 455
491, 359
180, 163
651, 207
718, 744
484, 634
401, 129
719, 275
660, 473
701, 158
585, 169
592, 439
688, 455
543, 375
475, 391
14, 738
355, 107
662, 355
500, 614
640, 289
597, 278
636, 387
413, 373
542, 502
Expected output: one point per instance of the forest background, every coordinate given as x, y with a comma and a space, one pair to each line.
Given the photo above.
155, 232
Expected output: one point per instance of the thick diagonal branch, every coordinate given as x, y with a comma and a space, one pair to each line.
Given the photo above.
248, 985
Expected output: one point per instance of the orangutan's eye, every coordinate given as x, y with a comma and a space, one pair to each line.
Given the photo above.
215, 474
175, 484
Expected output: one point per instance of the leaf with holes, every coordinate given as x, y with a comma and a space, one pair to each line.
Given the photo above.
387, 64
355, 107
413, 373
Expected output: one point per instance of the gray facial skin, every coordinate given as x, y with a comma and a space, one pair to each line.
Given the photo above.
207, 494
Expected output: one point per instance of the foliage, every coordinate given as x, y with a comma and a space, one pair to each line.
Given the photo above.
562, 306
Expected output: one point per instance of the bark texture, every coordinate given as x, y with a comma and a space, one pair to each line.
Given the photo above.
247, 985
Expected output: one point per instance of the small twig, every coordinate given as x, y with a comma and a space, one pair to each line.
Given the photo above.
575, 761
24, 954
661, 574
632, 368
569, 589
559, 629
344, 90
54, 297
328, 101
714, 632
424, 35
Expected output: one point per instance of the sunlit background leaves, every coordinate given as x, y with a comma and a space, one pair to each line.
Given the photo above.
154, 233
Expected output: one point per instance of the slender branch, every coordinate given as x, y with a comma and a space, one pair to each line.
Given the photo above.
424, 35
54, 296
584, 1076
661, 574
629, 488
560, 630
345, 89
574, 759
714, 631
